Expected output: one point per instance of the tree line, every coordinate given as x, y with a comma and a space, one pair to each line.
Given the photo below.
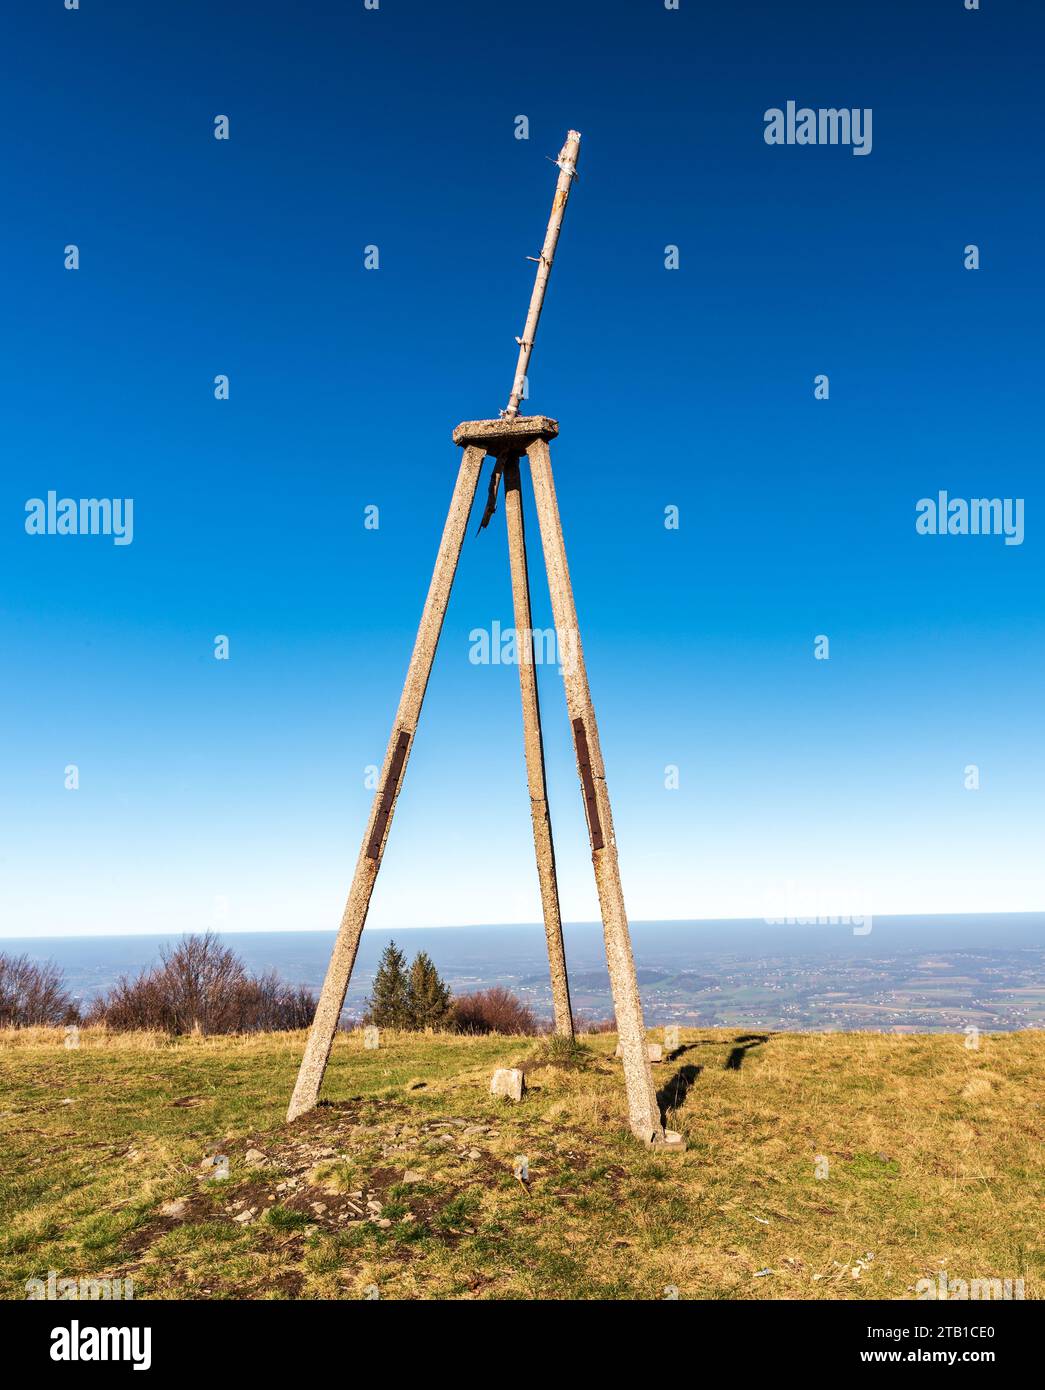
416, 998
202, 986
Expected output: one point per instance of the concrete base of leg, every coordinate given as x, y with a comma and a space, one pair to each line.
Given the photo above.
669, 1142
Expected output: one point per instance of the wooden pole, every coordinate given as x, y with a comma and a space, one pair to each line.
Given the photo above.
643, 1110
400, 744
567, 163
533, 744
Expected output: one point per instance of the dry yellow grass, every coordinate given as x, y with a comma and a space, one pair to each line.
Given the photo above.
818, 1166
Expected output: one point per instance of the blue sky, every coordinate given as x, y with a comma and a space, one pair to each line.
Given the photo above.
232, 793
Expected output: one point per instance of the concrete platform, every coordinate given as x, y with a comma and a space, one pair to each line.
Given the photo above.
495, 434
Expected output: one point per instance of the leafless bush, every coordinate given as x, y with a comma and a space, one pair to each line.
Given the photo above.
494, 1010
201, 986
594, 1025
33, 994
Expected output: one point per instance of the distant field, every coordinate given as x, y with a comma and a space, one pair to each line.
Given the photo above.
403, 1184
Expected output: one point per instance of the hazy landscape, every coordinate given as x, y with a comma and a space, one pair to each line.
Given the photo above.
924, 974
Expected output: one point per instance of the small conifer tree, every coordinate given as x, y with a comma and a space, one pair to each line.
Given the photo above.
389, 1003
429, 996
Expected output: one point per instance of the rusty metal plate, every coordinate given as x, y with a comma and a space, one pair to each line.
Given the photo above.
580, 738
388, 794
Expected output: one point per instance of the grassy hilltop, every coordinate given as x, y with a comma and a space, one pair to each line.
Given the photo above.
404, 1181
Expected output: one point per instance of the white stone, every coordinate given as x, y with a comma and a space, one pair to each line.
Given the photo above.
508, 1082
673, 1141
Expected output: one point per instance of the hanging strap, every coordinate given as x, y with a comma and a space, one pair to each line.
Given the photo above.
495, 482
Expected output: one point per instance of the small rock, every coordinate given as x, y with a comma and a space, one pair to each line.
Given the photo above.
245, 1216
508, 1082
413, 1175
254, 1158
175, 1208
475, 1153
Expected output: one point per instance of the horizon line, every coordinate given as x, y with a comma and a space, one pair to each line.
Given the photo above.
813, 921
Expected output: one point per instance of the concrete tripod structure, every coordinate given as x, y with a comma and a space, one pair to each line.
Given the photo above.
508, 439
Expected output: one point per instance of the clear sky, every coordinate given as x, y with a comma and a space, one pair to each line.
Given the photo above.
231, 793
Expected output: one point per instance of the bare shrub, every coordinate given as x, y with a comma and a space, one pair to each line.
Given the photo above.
494, 1010
593, 1025
33, 994
201, 986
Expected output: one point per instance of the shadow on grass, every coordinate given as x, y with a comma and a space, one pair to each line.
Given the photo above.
673, 1094
746, 1042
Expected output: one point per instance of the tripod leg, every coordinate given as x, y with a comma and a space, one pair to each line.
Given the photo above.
343, 956
643, 1110
534, 747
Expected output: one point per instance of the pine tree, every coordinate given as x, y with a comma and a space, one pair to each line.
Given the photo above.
389, 1004
429, 996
